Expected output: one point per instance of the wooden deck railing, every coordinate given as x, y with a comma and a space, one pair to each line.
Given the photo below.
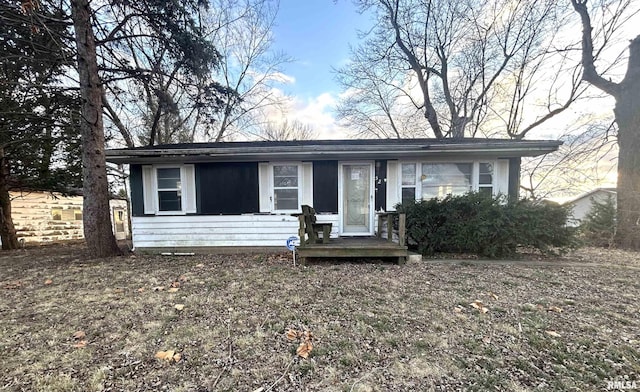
389, 218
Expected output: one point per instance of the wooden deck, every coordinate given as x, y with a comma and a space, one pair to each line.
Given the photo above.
361, 247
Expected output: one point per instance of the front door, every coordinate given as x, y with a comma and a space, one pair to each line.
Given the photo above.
356, 194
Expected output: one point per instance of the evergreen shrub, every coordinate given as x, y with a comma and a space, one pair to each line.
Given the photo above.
487, 226
598, 228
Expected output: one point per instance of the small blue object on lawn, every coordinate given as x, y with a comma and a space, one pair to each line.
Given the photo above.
291, 245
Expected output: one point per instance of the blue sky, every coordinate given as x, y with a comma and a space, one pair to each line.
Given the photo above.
317, 34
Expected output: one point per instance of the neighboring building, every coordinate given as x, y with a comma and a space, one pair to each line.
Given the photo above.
52, 217
243, 193
582, 204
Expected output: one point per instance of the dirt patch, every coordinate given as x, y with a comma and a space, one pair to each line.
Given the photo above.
375, 326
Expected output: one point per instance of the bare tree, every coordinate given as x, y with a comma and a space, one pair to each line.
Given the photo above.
462, 64
242, 31
627, 115
587, 157
375, 106
286, 130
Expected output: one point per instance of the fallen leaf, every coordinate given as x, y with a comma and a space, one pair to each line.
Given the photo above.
491, 293
80, 344
48, 281
141, 289
165, 355
199, 265
158, 288
173, 290
78, 335
458, 309
291, 334
552, 333
304, 349
13, 285
554, 309
169, 356
179, 307
476, 304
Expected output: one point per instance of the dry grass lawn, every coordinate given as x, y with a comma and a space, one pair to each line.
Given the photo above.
570, 324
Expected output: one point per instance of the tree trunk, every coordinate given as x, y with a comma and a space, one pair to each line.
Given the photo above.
627, 112
628, 210
7, 229
96, 214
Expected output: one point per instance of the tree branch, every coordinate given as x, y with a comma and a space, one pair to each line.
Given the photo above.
590, 74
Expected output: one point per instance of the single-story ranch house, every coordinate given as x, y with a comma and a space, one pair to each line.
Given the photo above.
243, 194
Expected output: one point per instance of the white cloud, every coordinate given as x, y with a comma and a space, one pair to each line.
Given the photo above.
316, 112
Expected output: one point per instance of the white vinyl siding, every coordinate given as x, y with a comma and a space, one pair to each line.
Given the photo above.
218, 230
166, 194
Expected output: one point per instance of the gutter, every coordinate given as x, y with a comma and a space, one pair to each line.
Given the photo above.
533, 148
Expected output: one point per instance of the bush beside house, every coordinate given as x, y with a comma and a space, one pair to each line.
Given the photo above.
490, 227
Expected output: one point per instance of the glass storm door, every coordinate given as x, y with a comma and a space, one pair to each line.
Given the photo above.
356, 204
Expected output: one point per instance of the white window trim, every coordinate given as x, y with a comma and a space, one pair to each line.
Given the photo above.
187, 190
272, 188
475, 175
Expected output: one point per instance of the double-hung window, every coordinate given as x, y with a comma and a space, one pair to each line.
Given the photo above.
286, 187
169, 189
408, 182
485, 178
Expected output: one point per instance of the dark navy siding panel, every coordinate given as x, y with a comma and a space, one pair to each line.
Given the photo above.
325, 186
227, 188
514, 177
381, 185
137, 197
